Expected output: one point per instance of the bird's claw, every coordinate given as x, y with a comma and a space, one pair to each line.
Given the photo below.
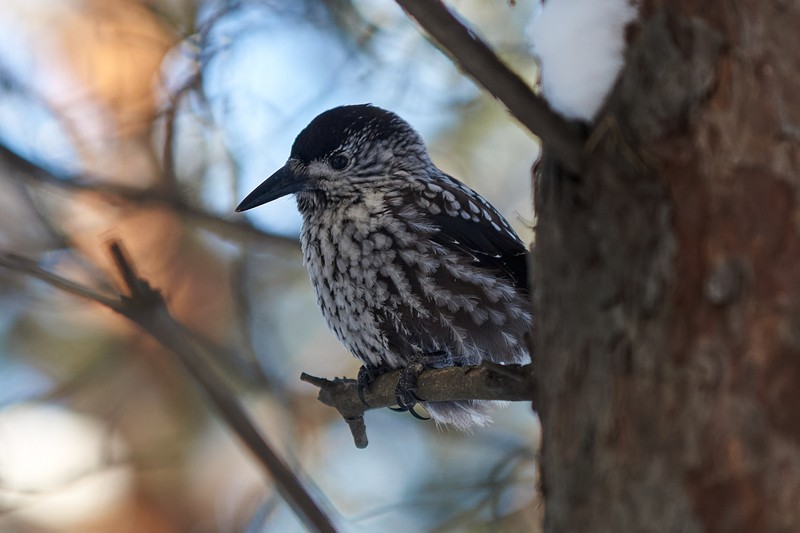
366, 375
362, 383
405, 393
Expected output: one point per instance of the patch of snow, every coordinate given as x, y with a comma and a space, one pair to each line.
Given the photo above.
580, 45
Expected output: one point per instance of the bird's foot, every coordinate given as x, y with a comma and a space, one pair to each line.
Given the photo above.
366, 375
406, 390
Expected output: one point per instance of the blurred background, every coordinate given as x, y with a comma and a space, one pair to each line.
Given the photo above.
148, 121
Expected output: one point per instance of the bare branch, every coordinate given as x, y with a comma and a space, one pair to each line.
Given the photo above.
24, 265
241, 231
475, 58
146, 307
487, 381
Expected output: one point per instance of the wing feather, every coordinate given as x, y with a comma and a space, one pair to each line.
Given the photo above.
471, 225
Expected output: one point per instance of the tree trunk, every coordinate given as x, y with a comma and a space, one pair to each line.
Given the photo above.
667, 284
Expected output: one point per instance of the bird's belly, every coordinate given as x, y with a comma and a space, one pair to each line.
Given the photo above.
349, 293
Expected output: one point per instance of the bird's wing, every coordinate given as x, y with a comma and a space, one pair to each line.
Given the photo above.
469, 223
489, 248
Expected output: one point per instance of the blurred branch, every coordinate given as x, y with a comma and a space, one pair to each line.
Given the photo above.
24, 265
487, 381
169, 179
239, 231
170, 116
146, 307
470, 53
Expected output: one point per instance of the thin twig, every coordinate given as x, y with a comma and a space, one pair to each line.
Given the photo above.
24, 265
487, 381
474, 57
29, 172
146, 307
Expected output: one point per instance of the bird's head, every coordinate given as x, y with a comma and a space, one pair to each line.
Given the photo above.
340, 154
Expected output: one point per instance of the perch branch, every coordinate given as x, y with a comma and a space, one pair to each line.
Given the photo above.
487, 381
146, 307
470, 53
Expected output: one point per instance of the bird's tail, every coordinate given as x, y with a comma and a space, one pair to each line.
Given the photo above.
463, 414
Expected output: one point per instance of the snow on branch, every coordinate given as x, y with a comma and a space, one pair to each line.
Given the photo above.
580, 45
474, 57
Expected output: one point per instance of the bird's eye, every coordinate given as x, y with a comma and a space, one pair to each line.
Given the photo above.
338, 161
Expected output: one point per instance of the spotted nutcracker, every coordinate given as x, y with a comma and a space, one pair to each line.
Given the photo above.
409, 265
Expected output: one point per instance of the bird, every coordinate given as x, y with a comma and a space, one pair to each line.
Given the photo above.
411, 268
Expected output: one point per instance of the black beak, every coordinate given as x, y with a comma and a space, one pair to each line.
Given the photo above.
283, 182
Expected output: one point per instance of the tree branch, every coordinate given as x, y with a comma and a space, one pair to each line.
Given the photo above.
24, 265
487, 381
474, 57
146, 307
230, 229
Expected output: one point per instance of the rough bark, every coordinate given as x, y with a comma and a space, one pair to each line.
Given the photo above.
667, 284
